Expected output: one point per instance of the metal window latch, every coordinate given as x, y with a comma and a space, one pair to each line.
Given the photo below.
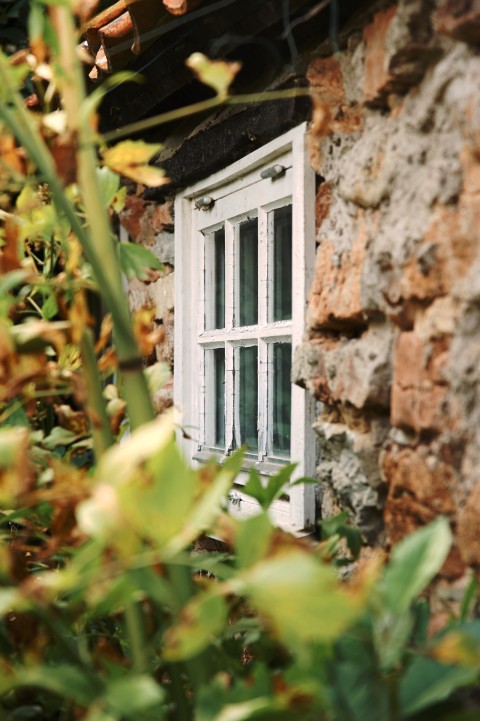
275, 171
204, 203
234, 498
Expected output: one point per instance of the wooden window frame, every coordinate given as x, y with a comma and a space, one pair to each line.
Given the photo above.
242, 181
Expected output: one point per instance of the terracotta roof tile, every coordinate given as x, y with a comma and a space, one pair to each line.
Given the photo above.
128, 28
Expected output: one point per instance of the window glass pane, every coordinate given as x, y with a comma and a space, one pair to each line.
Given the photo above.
219, 314
215, 280
219, 382
282, 398
282, 263
248, 273
247, 433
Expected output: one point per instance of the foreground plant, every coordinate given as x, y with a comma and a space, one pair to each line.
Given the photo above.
109, 608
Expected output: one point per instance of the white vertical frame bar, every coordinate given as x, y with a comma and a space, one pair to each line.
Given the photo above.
230, 269
302, 498
263, 292
185, 392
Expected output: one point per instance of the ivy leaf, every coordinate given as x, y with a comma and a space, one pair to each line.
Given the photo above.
218, 74
130, 158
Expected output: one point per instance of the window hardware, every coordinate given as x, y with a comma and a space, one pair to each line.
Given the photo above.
234, 498
275, 171
204, 203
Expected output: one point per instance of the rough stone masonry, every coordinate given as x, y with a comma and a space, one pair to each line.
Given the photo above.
392, 340
392, 343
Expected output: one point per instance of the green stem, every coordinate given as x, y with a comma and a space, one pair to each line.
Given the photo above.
136, 636
201, 106
100, 424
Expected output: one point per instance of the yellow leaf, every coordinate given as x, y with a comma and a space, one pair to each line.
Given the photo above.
129, 152
219, 74
147, 175
130, 159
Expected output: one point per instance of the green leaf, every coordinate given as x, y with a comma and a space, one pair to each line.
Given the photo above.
469, 598
266, 494
157, 501
427, 682
109, 183
58, 437
199, 623
391, 633
135, 260
157, 375
318, 609
50, 307
132, 695
414, 562
252, 539
67, 681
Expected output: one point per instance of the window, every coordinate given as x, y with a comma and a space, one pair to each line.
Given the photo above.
243, 257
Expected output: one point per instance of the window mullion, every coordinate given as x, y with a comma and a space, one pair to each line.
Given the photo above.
263, 397
229, 396
230, 271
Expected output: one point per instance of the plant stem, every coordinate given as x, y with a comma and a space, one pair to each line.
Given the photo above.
137, 396
136, 636
201, 106
100, 425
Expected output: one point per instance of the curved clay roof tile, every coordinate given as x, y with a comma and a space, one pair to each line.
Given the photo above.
99, 21
116, 40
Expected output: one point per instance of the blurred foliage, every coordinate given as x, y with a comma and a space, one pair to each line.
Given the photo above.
110, 609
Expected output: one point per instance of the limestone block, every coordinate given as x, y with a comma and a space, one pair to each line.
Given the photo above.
349, 469
162, 295
138, 295
336, 293
420, 487
355, 371
468, 529
164, 247
143, 220
399, 46
421, 397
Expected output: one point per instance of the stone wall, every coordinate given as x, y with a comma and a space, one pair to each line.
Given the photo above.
392, 339
151, 225
392, 343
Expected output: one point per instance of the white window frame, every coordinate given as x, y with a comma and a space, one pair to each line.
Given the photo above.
297, 186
